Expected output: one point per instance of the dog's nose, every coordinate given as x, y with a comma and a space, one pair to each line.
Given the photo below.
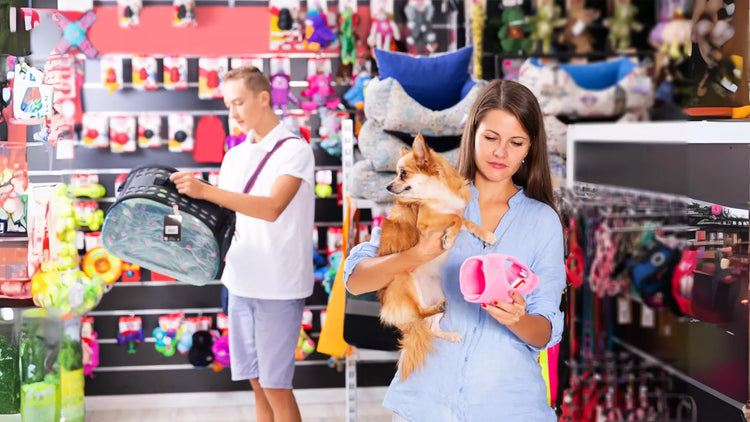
389, 188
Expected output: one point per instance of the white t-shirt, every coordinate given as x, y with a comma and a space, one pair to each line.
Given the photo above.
271, 260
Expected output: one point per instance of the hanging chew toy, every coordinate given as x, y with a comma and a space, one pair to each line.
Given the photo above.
478, 17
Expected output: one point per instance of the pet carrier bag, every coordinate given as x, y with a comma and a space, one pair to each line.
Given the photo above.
134, 228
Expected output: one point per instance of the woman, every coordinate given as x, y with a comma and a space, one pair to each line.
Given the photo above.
493, 374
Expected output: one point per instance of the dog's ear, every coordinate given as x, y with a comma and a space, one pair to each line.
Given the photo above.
421, 150
404, 151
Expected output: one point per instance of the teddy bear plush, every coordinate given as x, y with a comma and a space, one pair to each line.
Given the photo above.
546, 21
621, 24
576, 33
514, 33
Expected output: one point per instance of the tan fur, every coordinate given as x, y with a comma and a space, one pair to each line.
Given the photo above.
432, 196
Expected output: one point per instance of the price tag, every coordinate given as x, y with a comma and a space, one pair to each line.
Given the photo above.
648, 319
173, 226
624, 314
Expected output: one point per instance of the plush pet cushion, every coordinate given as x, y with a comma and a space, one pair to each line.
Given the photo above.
437, 143
369, 184
382, 149
434, 82
388, 103
604, 89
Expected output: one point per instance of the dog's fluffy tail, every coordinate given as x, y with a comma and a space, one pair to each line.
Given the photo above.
416, 343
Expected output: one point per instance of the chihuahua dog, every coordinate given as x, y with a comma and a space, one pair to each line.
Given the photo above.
432, 196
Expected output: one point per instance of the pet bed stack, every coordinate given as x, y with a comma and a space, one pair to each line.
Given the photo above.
612, 90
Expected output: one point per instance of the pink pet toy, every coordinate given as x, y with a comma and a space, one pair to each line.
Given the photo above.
319, 89
487, 278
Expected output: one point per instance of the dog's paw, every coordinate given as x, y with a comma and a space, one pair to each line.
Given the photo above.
448, 241
489, 240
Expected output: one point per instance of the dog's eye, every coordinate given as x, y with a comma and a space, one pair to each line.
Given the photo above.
402, 174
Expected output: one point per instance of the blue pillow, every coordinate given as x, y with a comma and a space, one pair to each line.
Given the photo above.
434, 82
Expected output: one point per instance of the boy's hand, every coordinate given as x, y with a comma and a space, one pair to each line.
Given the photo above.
188, 185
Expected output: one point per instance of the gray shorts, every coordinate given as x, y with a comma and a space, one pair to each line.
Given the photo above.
263, 335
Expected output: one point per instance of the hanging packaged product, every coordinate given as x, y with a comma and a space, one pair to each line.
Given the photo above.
129, 12
286, 31
211, 71
32, 100
237, 62
10, 382
149, 130
330, 131
86, 185
90, 346
305, 345
111, 72
68, 293
95, 131
184, 13
88, 215
210, 139
65, 75
145, 73
70, 361
175, 72
39, 347
122, 131
180, 132
298, 122
14, 181
131, 272
130, 332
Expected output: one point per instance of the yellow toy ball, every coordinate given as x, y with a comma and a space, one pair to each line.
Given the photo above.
98, 263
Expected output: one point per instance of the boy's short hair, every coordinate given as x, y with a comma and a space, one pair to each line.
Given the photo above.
255, 80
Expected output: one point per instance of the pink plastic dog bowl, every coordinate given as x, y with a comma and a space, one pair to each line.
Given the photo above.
487, 278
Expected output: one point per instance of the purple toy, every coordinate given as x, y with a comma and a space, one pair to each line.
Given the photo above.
220, 348
280, 92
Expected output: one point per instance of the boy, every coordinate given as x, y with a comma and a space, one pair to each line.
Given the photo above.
268, 268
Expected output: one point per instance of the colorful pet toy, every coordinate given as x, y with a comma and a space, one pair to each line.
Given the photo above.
280, 93
514, 30
491, 278
355, 96
346, 37
317, 34
576, 31
546, 20
97, 262
74, 34
383, 31
319, 90
419, 15
621, 24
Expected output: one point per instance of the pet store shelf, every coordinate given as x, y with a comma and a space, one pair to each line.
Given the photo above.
17, 303
133, 312
678, 374
13, 237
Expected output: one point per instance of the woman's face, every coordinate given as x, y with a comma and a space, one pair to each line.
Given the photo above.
500, 145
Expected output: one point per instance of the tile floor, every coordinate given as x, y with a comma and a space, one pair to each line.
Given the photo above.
316, 405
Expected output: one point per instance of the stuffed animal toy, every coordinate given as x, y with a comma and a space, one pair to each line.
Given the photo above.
514, 30
317, 34
346, 37
280, 92
546, 20
621, 24
355, 96
200, 354
383, 31
419, 15
319, 90
712, 30
576, 31
676, 38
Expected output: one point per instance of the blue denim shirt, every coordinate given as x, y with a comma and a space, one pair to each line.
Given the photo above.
491, 375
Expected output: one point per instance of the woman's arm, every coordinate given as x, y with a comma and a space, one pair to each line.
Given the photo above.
368, 272
534, 330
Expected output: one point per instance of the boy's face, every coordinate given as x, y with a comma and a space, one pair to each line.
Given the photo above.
245, 106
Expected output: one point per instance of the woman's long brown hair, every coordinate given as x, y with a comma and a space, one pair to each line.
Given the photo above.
514, 98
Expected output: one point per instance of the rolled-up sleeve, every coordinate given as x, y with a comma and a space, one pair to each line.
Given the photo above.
549, 265
358, 253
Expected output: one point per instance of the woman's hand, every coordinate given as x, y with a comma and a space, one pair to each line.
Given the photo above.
188, 185
429, 246
506, 313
